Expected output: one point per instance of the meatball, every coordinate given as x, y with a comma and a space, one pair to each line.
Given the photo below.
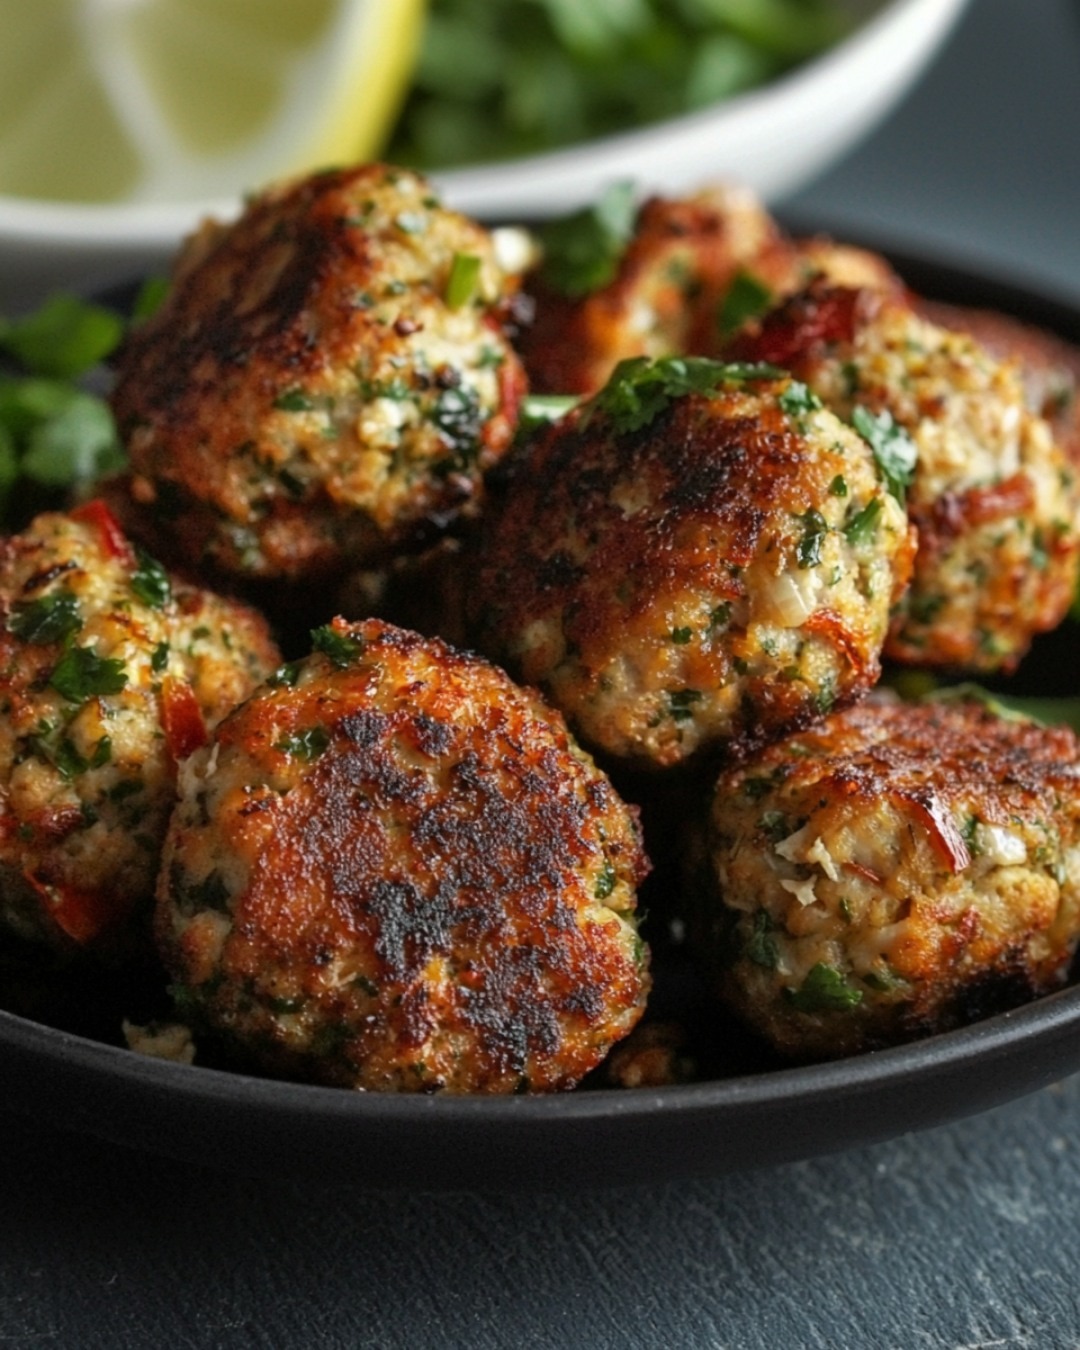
897, 870
110, 671
683, 572
1049, 366
328, 375
993, 496
394, 870
684, 259
692, 271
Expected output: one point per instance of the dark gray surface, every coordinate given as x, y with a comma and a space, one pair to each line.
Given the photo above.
960, 1237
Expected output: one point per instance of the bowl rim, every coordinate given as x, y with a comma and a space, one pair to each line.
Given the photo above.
38, 222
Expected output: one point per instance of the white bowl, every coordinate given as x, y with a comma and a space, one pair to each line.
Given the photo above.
773, 139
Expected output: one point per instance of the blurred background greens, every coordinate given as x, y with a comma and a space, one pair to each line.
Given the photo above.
501, 78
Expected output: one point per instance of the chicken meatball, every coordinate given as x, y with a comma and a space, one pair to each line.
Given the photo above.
684, 570
394, 870
993, 495
897, 870
110, 672
328, 375
684, 260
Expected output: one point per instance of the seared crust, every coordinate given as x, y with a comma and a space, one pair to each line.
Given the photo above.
895, 871
394, 871
110, 672
994, 497
699, 584
317, 387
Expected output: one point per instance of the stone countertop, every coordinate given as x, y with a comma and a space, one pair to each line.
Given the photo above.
957, 1238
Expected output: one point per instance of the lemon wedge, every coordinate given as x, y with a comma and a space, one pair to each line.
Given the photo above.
176, 100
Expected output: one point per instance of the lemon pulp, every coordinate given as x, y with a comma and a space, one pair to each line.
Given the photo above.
169, 100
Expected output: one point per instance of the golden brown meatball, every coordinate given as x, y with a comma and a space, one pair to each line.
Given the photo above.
993, 496
393, 870
328, 375
684, 258
897, 870
684, 570
110, 673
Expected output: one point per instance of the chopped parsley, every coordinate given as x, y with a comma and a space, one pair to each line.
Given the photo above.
81, 674
294, 400
863, 523
823, 990
150, 581
760, 947
894, 451
639, 389
341, 648
50, 618
605, 881
815, 528
308, 744
797, 399
746, 298
582, 251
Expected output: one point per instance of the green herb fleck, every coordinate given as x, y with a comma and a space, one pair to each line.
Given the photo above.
639, 389
308, 744
747, 297
341, 648
894, 451
463, 279
582, 251
150, 581
681, 703
294, 400
50, 618
863, 523
760, 947
838, 487
81, 674
824, 990
797, 399
605, 881
815, 529
681, 636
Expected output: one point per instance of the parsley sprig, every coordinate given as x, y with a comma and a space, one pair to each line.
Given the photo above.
56, 433
639, 389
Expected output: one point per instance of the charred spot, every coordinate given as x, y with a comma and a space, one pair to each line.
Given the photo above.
557, 570
430, 736
47, 575
412, 926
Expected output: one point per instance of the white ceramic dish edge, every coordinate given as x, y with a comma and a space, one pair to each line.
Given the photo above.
772, 140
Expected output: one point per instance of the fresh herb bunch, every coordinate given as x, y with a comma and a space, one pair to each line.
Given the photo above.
499, 78
57, 433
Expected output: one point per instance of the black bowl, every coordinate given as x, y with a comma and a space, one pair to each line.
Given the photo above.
757, 1114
